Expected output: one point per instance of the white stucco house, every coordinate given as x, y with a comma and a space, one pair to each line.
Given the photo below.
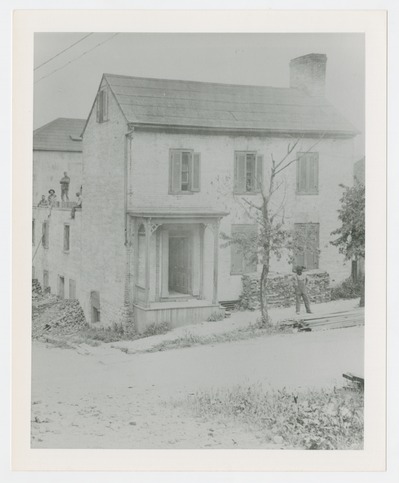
166, 165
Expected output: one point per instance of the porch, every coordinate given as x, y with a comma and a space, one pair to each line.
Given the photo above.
174, 265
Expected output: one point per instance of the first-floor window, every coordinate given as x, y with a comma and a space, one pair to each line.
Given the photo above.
243, 249
66, 237
45, 279
95, 306
184, 171
307, 245
72, 289
45, 234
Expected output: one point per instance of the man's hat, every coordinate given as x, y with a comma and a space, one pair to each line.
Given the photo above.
52, 192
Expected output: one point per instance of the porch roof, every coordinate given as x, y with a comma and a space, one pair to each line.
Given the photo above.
167, 212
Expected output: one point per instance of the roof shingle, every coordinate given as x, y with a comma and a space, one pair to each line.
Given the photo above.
62, 134
201, 104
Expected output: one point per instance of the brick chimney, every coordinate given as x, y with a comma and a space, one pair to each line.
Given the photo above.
308, 73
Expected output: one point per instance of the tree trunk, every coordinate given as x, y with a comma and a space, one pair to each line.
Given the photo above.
262, 295
361, 304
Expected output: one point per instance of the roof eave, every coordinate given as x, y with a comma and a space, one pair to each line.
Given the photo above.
242, 130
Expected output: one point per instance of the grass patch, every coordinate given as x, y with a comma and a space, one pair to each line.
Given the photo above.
94, 336
188, 339
313, 420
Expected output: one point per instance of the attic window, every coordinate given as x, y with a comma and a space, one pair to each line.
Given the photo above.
102, 106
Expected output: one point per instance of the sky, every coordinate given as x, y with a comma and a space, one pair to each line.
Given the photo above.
66, 85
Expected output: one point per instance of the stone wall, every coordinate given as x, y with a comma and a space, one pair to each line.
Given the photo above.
149, 187
280, 289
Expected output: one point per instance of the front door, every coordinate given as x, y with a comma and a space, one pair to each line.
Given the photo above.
179, 264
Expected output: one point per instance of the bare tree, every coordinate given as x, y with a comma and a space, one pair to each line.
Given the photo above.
274, 236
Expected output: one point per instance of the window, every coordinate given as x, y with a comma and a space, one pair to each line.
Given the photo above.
307, 173
33, 232
61, 287
66, 238
184, 171
45, 279
95, 306
72, 289
102, 106
307, 245
45, 234
248, 172
242, 260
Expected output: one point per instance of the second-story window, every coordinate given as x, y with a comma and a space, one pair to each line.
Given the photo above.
66, 238
102, 106
307, 173
184, 171
248, 172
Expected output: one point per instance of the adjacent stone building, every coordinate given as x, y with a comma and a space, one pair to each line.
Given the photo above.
168, 166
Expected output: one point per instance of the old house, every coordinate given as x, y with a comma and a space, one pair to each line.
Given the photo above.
166, 165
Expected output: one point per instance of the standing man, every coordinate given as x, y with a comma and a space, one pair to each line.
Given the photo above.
65, 187
300, 290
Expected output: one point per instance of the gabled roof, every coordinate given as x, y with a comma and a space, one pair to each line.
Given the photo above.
178, 103
62, 134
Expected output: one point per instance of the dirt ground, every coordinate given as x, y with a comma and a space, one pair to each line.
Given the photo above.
101, 397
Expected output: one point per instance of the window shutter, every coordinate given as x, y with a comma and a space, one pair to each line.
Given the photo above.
312, 240
99, 102
196, 172
302, 173
175, 172
236, 255
259, 172
105, 104
313, 172
239, 173
249, 264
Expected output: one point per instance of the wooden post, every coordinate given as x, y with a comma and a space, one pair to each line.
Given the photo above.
201, 257
215, 230
147, 261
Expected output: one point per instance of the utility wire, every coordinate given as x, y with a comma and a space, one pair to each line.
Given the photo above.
62, 51
76, 58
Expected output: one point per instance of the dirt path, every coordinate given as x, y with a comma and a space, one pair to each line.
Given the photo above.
108, 399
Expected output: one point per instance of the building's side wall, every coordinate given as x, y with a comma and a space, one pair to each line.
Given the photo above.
48, 169
55, 259
149, 186
104, 261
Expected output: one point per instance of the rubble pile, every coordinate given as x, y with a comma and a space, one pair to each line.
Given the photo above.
52, 315
280, 290
36, 289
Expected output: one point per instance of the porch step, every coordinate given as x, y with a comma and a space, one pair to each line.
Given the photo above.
229, 305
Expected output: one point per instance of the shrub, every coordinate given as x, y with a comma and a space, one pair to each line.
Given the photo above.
348, 289
155, 329
313, 420
216, 316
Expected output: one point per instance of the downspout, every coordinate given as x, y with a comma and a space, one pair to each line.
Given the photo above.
128, 140
128, 296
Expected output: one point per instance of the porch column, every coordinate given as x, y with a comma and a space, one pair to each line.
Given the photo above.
215, 229
147, 261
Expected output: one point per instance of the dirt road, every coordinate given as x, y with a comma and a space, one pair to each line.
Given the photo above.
103, 398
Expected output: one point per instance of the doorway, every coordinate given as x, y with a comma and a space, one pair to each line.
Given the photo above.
179, 264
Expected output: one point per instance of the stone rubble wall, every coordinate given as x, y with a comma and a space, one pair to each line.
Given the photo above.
280, 289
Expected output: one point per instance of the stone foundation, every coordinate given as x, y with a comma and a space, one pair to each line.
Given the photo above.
280, 289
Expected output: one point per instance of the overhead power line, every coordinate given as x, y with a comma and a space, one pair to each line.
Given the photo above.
62, 51
76, 58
